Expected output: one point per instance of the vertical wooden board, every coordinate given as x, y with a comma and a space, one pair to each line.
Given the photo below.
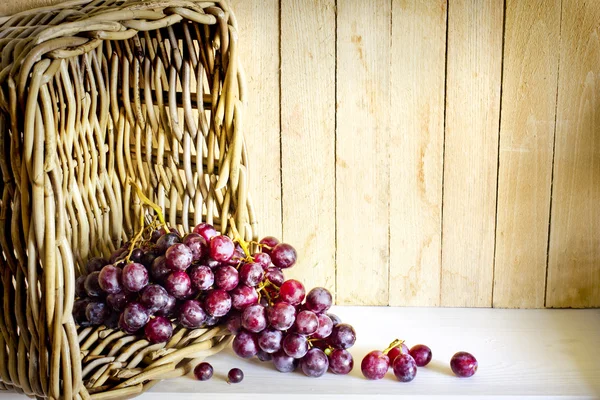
532, 31
416, 146
362, 141
258, 25
308, 132
574, 257
471, 148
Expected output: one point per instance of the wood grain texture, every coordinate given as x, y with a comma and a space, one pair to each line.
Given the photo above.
416, 147
574, 257
259, 54
362, 142
471, 148
532, 31
308, 137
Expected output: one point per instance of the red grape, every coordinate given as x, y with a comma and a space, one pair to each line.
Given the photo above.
251, 274
226, 277
79, 307
201, 276
404, 368
191, 314
235, 375
307, 322
245, 344
92, 287
136, 255
325, 327
154, 298
254, 318
117, 301
124, 327
315, 363
179, 257
178, 284
135, 316
343, 337
109, 279
158, 330
169, 309
295, 345
217, 303
334, 319
263, 259
264, 356
243, 296
159, 269
167, 241
341, 362
283, 362
203, 371
148, 259
207, 231
221, 248
95, 264
197, 245
281, 316
234, 323
80, 286
269, 340
375, 365
268, 243
134, 277
283, 256
292, 292
318, 300
396, 351
275, 276
421, 354
117, 255
96, 312
463, 364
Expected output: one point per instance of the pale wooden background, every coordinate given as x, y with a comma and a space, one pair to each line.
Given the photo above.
429, 153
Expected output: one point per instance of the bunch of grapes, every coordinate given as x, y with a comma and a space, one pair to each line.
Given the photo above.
203, 279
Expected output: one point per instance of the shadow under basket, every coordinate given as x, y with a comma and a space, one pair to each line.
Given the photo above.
97, 97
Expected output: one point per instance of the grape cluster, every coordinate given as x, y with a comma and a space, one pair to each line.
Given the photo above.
203, 279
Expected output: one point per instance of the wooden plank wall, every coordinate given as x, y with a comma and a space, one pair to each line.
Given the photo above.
438, 153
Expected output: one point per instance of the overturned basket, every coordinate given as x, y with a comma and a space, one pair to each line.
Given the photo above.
93, 95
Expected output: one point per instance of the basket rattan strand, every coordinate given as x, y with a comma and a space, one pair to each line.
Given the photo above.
93, 94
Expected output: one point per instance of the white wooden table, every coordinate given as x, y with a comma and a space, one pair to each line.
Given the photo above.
537, 354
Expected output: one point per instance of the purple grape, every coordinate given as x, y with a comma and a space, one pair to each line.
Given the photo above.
136, 255
112, 321
268, 243
275, 276
243, 296
325, 327
134, 277
201, 276
375, 365
167, 241
118, 254
463, 364
191, 314
263, 259
315, 363
217, 303
341, 362
318, 300
179, 257
178, 284
264, 356
238, 256
226, 277
404, 367
281, 316
292, 292
169, 309
343, 337
283, 362
203, 371
212, 264
109, 279
159, 270
92, 286
251, 274
221, 248
334, 319
154, 298
148, 260
124, 327
295, 345
80, 287
135, 315
158, 330
79, 308
235, 375
421, 354
269, 340
197, 245
211, 320
95, 264
117, 301
283, 256
307, 322
207, 231
254, 318
396, 351
245, 344
234, 323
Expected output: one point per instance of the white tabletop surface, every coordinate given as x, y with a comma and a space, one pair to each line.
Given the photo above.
533, 354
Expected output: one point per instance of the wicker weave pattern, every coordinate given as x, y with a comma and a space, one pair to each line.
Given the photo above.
94, 94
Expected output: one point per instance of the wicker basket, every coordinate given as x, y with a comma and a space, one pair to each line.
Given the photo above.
93, 95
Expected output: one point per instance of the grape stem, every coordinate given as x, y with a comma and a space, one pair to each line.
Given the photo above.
149, 202
395, 343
